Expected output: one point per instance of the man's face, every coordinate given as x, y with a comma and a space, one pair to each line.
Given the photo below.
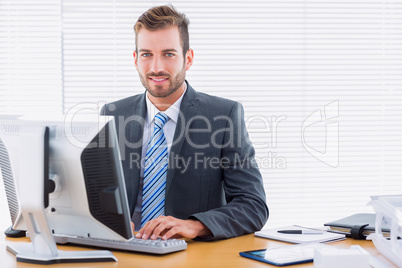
160, 62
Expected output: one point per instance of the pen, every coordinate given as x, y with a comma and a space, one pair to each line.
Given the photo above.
300, 232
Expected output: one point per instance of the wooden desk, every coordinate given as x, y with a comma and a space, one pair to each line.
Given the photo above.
198, 254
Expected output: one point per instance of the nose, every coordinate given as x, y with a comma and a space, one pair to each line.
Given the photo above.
157, 65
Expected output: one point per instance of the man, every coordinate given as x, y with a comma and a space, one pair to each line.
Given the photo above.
188, 163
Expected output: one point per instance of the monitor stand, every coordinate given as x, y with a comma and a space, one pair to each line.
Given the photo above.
32, 169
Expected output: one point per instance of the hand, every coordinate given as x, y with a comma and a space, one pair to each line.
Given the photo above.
170, 227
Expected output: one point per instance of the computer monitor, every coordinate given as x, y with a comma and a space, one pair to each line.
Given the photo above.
8, 174
90, 197
81, 178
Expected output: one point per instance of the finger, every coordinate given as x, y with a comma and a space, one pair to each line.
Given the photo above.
173, 232
164, 225
141, 231
150, 227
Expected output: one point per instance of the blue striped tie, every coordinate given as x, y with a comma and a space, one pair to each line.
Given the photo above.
155, 170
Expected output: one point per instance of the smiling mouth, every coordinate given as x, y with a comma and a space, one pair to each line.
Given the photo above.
158, 79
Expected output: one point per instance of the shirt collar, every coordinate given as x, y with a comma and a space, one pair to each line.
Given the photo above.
172, 112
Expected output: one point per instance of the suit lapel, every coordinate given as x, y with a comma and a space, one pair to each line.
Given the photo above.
188, 109
136, 137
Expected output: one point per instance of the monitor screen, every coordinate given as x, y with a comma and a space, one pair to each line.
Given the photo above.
84, 190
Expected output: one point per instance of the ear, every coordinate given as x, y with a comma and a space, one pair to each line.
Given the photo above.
189, 58
135, 59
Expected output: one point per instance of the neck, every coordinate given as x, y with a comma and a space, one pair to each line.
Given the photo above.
164, 103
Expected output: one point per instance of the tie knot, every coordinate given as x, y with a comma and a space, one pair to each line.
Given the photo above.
160, 119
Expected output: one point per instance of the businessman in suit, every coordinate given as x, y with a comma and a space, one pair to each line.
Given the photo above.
211, 187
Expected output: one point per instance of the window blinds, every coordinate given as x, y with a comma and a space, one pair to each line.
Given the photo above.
320, 82
30, 57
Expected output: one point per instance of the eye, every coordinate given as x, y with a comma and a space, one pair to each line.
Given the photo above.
146, 54
169, 54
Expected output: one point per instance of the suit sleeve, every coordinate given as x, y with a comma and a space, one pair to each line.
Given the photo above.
246, 210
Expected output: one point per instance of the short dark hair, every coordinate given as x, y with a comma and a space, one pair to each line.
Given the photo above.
162, 17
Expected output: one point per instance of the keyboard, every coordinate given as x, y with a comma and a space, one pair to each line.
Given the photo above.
157, 246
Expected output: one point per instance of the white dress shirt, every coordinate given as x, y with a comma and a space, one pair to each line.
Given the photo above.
168, 129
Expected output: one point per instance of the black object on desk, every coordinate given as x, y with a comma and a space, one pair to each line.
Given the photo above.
10, 232
308, 232
357, 226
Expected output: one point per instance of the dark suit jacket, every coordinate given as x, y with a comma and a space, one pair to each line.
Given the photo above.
212, 174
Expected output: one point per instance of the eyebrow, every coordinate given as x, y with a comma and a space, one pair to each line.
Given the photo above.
165, 50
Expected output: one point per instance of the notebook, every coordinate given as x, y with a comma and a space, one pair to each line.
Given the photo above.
345, 225
298, 238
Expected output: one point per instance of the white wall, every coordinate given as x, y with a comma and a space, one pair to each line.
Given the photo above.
317, 66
